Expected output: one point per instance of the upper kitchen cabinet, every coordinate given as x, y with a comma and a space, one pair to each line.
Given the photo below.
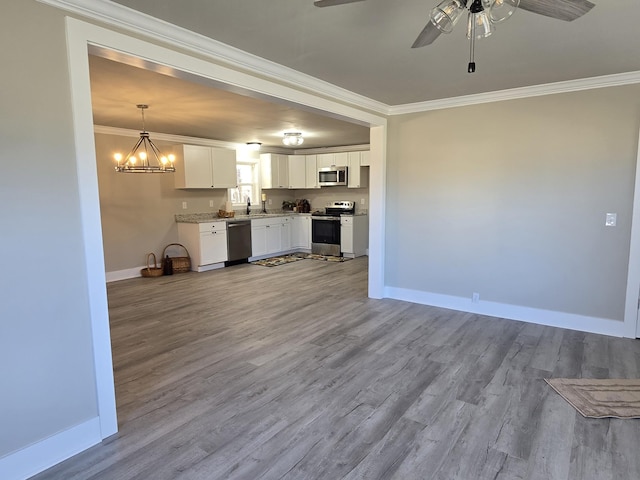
340, 159
297, 171
207, 167
275, 170
357, 176
311, 162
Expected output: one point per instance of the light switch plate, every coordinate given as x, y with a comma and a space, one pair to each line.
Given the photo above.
184, 205
611, 219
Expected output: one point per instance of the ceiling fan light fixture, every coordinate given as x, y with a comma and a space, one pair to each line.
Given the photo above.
479, 25
255, 146
500, 10
446, 14
292, 139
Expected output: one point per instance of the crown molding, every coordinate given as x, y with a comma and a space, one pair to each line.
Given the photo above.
165, 137
516, 93
122, 17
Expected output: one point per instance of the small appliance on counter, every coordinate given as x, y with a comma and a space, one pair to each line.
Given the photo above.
325, 227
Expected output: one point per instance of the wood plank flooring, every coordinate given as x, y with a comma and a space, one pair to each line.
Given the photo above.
293, 373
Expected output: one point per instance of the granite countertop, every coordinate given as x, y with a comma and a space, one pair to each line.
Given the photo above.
213, 216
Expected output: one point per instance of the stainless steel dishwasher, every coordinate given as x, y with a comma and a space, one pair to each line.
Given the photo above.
238, 241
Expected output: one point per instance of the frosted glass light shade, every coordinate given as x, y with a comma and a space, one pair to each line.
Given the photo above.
446, 14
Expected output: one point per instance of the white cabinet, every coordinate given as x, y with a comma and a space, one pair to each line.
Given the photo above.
275, 170
325, 159
297, 171
206, 242
270, 235
354, 235
311, 162
301, 231
357, 177
206, 167
340, 159
364, 158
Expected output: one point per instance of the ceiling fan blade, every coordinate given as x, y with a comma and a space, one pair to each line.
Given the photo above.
566, 10
427, 36
331, 3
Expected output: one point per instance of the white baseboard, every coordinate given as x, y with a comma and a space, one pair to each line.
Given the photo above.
550, 318
124, 274
38, 457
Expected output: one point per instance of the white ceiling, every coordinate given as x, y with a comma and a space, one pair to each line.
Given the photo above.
362, 47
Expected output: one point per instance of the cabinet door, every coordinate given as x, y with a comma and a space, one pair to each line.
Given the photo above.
273, 238
303, 233
311, 167
325, 159
223, 167
364, 159
353, 179
341, 159
346, 236
213, 247
196, 168
258, 240
285, 234
283, 171
297, 171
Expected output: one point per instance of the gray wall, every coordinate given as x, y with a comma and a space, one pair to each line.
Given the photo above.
46, 361
509, 200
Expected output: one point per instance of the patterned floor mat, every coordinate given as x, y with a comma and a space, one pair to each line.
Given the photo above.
284, 259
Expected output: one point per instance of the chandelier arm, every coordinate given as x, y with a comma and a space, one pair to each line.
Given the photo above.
134, 149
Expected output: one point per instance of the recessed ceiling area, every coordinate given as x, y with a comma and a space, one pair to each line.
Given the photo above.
181, 104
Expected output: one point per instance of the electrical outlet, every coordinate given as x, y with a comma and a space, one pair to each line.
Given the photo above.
211, 203
184, 205
269, 201
476, 297
362, 201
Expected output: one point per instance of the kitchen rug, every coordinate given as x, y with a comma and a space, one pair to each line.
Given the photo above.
327, 258
600, 398
275, 261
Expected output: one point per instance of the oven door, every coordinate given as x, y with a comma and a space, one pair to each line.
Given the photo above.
325, 236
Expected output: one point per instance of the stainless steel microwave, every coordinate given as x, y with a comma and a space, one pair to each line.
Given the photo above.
332, 176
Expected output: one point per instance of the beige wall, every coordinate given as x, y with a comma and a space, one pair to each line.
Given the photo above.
46, 358
137, 210
509, 200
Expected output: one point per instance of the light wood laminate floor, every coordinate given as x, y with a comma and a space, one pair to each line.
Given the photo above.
292, 373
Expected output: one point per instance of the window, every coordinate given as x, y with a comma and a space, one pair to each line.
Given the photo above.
248, 184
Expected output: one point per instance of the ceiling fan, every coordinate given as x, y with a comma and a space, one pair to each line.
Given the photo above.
483, 14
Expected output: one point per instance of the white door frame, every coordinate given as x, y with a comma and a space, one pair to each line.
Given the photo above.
631, 326
79, 36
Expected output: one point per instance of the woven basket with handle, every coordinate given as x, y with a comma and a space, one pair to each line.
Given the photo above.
180, 264
151, 271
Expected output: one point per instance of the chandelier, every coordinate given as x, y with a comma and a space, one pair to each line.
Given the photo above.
139, 161
292, 139
481, 20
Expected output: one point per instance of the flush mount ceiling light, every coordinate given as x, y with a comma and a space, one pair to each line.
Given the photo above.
254, 145
292, 139
482, 17
138, 159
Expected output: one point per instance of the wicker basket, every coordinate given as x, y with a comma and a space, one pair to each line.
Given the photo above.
224, 214
180, 264
151, 271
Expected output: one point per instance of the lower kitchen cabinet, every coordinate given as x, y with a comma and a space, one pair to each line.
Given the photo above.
270, 235
301, 232
206, 242
354, 235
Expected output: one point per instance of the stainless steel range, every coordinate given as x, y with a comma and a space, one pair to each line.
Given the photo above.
325, 227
